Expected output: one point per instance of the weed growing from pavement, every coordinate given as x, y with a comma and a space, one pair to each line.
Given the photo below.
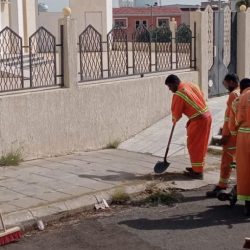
11, 159
113, 145
163, 197
152, 196
120, 197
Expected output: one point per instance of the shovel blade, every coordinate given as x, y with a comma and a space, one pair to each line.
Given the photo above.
161, 167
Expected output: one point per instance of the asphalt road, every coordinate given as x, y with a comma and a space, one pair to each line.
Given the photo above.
196, 223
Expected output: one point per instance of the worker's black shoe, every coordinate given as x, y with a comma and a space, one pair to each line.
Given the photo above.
214, 193
247, 208
231, 196
194, 175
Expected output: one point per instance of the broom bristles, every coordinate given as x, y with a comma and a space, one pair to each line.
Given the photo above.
10, 235
247, 243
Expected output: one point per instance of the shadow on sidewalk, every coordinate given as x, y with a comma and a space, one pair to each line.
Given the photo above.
127, 176
213, 216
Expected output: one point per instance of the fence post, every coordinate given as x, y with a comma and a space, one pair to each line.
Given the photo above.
70, 60
173, 28
201, 20
243, 41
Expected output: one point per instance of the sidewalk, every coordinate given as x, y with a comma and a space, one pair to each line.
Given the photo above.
154, 139
57, 185
49, 187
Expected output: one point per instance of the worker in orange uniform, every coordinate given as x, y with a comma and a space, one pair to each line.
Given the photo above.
243, 145
189, 100
231, 82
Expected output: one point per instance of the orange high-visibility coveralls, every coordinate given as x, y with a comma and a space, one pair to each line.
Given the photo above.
229, 149
189, 100
243, 146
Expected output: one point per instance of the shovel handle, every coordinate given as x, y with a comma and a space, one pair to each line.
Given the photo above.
169, 142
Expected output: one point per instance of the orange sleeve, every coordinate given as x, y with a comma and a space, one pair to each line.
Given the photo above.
241, 110
225, 129
233, 126
177, 108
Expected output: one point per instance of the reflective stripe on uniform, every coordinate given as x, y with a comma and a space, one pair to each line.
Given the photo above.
193, 104
233, 133
244, 130
223, 180
243, 197
197, 164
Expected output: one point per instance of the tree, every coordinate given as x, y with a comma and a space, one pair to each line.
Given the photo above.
243, 2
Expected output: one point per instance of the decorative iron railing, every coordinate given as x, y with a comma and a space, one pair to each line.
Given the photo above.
32, 66
151, 50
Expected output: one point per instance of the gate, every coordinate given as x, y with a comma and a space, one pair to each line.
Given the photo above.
222, 40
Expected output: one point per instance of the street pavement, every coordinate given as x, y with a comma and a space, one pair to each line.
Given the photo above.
196, 223
47, 187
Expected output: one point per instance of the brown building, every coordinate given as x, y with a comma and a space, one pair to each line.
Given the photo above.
130, 18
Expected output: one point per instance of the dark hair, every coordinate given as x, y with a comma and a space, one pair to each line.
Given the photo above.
232, 77
244, 84
172, 79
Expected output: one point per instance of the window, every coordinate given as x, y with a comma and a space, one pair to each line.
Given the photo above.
141, 22
163, 22
121, 22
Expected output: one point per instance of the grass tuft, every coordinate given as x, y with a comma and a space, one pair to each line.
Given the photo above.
113, 145
11, 159
120, 197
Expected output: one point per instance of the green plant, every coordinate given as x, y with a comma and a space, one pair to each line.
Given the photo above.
120, 196
166, 197
183, 34
113, 145
161, 34
13, 158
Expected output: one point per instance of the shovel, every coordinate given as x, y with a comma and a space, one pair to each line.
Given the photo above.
160, 166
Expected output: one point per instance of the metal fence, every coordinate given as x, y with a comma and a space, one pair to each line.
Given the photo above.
32, 66
151, 50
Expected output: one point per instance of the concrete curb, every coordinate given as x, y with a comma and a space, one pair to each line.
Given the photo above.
27, 218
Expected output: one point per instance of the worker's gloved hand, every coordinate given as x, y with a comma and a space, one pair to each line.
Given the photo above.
225, 139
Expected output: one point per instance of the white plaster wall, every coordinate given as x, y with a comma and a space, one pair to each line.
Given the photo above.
49, 20
95, 12
60, 121
243, 44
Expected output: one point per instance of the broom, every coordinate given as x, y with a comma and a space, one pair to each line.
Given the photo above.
247, 243
9, 235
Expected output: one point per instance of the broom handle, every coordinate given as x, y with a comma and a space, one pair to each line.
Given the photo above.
1, 218
169, 142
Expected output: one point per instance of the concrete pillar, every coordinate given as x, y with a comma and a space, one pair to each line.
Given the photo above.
201, 20
243, 44
69, 51
29, 19
173, 28
4, 15
16, 17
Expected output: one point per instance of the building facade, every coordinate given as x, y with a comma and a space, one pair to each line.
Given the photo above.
20, 16
130, 18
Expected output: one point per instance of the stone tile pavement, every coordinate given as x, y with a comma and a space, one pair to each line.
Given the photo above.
43, 188
154, 139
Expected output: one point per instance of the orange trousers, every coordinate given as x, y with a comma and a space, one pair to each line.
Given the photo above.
243, 166
198, 131
228, 156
